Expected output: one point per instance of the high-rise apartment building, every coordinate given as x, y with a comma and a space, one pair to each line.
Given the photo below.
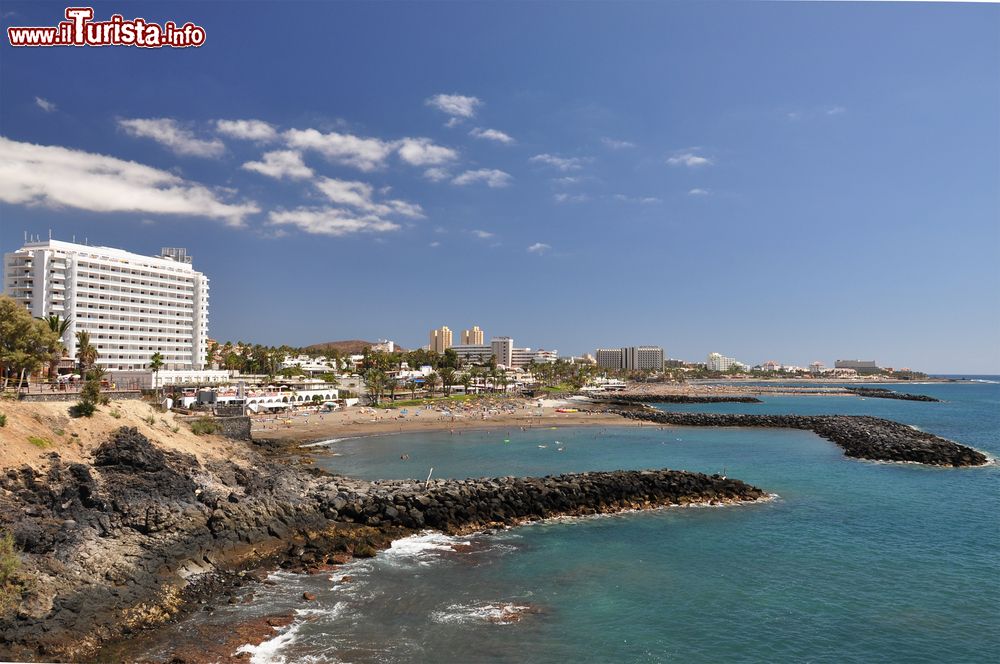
503, 350
131, 305
473, 337
719, 362
633, 358
440, 339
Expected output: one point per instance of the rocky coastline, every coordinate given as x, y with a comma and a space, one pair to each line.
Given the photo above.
883, 393
140, 535
860, 437
683, 398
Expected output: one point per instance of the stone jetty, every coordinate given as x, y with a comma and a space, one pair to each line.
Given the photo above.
140, 535
681, 398
883, 393
860, 437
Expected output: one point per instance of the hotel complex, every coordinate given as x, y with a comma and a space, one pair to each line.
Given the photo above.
635, 358
131, 305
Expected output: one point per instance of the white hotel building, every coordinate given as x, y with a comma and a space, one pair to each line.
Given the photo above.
132, 305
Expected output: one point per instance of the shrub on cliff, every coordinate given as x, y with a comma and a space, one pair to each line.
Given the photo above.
203, 426
3, 420
10, 589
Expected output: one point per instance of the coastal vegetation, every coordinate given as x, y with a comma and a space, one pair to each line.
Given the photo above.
10, 589
39, 442
26, 344
203, 426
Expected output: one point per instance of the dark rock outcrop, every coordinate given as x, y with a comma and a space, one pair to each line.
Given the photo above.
860, 437
679, 398
883, 393
143, 534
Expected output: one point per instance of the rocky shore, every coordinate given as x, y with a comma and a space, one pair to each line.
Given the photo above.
683, 398
861, 437
883, 393
139, 534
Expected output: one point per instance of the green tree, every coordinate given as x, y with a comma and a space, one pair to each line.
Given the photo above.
155, 364
26, 344
86, 352
375, 383
59, 325
430, 380
447, 379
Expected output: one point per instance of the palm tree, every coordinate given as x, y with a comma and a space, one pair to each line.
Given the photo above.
155, 364
431, 381
447, 379
59, 325
86, 353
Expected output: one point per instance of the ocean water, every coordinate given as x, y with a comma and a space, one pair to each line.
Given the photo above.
853, 562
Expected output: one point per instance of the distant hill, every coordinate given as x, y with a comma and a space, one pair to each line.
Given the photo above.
348, 347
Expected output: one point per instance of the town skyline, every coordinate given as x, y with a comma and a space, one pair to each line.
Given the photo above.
576, 197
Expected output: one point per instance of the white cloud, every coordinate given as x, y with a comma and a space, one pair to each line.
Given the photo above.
482, 235
457, 106
437, 174
538, 248
281, 164
493, 178
642, 200
45, 104
571, 198
54, 176
561, 163
247, 130
169, 133
331, 221
836, 110
366, 154
567, 180
491, 135
698, 192
616, 144
689, 158
423, 152
360, 195
435, 244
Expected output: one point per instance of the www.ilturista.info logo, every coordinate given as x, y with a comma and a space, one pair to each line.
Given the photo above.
79, 29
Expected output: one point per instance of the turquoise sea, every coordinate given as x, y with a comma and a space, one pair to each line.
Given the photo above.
852, 562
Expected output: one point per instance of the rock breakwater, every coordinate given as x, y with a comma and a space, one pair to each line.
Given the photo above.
140, 535
860, 437
883, 393
681, 398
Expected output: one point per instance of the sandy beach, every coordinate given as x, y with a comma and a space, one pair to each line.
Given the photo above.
487, 413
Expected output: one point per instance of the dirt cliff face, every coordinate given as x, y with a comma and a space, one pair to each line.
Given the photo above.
134, 537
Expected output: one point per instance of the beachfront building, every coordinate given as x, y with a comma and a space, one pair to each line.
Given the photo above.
719, 362
817, 368
521, 357
632, 358
440, 339
131, 305
862, 367
473, 337
503, 350
474, 353
312, 366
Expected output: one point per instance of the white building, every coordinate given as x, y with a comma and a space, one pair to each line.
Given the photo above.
313, 366
132, 305
474, 353
719, 362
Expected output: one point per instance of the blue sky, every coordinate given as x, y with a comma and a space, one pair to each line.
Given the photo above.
789, 181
